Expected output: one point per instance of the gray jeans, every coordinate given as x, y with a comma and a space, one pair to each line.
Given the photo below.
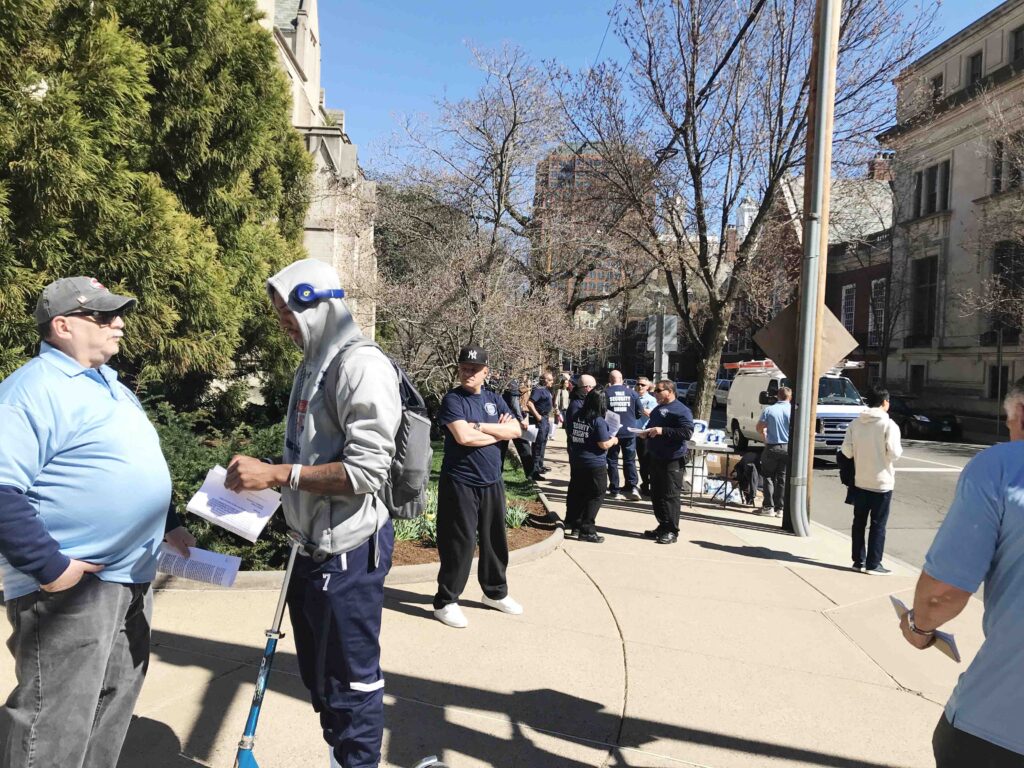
774, 462
80, 657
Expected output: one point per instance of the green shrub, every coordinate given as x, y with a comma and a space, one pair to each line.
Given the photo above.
515, 515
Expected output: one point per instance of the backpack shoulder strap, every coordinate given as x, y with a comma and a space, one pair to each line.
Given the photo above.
329, 382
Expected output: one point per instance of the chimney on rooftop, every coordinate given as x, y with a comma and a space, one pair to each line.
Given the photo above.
880, 166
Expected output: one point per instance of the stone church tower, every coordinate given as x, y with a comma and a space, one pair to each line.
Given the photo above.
339, 223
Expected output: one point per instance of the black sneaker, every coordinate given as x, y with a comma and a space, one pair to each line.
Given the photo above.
571, 533
668, 538
537, 476
592, 537
859, 567
879, 570
653, 533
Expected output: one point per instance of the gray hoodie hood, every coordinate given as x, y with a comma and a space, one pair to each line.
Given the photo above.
325, 324
360, 435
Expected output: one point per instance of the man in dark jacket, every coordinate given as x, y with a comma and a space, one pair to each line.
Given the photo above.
624, 402
668, 429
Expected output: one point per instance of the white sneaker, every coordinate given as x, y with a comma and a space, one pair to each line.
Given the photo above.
634, 495
505, 605
452, 615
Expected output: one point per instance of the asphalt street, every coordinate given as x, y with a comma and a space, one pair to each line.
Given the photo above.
926, 478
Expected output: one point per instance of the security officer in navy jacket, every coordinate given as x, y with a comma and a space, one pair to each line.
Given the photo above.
471, 493
626, 403
668, 429
539, 405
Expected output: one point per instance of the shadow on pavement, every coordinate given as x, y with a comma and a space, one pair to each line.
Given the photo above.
419, 719
152, 744
764, 553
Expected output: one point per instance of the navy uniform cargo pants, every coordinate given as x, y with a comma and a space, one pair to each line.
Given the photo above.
335, 609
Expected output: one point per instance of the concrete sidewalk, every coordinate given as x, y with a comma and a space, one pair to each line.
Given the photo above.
738, 646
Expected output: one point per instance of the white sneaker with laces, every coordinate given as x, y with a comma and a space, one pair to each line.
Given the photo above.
634, 495
505, 605
452, 615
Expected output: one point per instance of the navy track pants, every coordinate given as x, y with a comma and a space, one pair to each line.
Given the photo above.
335, 609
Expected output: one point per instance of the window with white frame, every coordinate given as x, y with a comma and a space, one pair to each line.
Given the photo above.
874, 373
876, 312
847, 310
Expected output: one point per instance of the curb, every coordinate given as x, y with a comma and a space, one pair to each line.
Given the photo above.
403, 574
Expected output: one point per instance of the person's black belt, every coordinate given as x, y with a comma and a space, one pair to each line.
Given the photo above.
774, 445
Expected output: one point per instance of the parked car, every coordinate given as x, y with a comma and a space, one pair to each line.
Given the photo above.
681, 387
631, 383
920, 424
721, 396
691, 394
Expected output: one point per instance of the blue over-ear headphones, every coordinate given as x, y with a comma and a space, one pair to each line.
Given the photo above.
305, 294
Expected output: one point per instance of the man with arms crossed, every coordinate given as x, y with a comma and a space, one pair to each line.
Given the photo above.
471, 492
981, 540
84, 503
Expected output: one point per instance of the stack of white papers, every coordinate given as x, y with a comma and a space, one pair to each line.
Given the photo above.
944, 641
245, 514
614, 422
201, 565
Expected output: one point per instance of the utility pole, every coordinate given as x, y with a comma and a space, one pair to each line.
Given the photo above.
817, 194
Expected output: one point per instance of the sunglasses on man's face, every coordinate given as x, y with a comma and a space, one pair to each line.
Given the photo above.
100, 318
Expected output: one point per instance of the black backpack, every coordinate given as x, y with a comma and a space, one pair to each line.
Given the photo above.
405, 492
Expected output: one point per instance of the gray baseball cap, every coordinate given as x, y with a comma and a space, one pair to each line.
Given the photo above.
73, 294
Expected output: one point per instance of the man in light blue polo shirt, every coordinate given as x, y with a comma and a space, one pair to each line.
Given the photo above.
774, 429
84, 504
981, 540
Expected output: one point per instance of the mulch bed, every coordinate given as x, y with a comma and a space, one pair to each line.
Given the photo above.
417, 553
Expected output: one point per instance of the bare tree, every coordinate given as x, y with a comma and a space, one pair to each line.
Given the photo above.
715, 96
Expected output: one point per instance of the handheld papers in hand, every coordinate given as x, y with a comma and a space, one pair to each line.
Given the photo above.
944, 641
245, 514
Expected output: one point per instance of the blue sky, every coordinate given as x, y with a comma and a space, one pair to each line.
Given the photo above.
383, 58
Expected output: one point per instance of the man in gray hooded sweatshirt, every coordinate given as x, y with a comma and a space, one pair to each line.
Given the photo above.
329, 476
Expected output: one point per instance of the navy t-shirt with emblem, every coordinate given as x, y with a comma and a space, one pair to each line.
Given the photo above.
541, 399
676, 421
626, 403
471, 465
583, 439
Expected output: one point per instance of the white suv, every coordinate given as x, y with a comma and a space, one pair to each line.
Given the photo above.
839, 403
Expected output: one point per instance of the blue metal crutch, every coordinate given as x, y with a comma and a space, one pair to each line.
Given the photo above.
244, 757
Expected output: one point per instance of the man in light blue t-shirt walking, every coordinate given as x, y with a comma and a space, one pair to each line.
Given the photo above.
774, 429
981, 540
85, 500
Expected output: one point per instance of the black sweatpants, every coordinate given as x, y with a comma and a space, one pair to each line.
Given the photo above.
462, 512
644, 463
583, 499
666, 485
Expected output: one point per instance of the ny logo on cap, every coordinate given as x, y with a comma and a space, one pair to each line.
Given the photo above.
471, 354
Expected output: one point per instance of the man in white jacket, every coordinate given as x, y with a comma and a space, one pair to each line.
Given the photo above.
873, 442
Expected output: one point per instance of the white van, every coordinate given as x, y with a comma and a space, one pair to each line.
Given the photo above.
839, 403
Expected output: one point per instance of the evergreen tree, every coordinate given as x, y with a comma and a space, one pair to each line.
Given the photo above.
148, 143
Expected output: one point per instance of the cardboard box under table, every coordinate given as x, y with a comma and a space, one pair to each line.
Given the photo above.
709, 460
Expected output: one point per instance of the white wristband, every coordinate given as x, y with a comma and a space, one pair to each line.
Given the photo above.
293, 477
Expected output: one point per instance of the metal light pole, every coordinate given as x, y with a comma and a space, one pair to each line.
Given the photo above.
817, 189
